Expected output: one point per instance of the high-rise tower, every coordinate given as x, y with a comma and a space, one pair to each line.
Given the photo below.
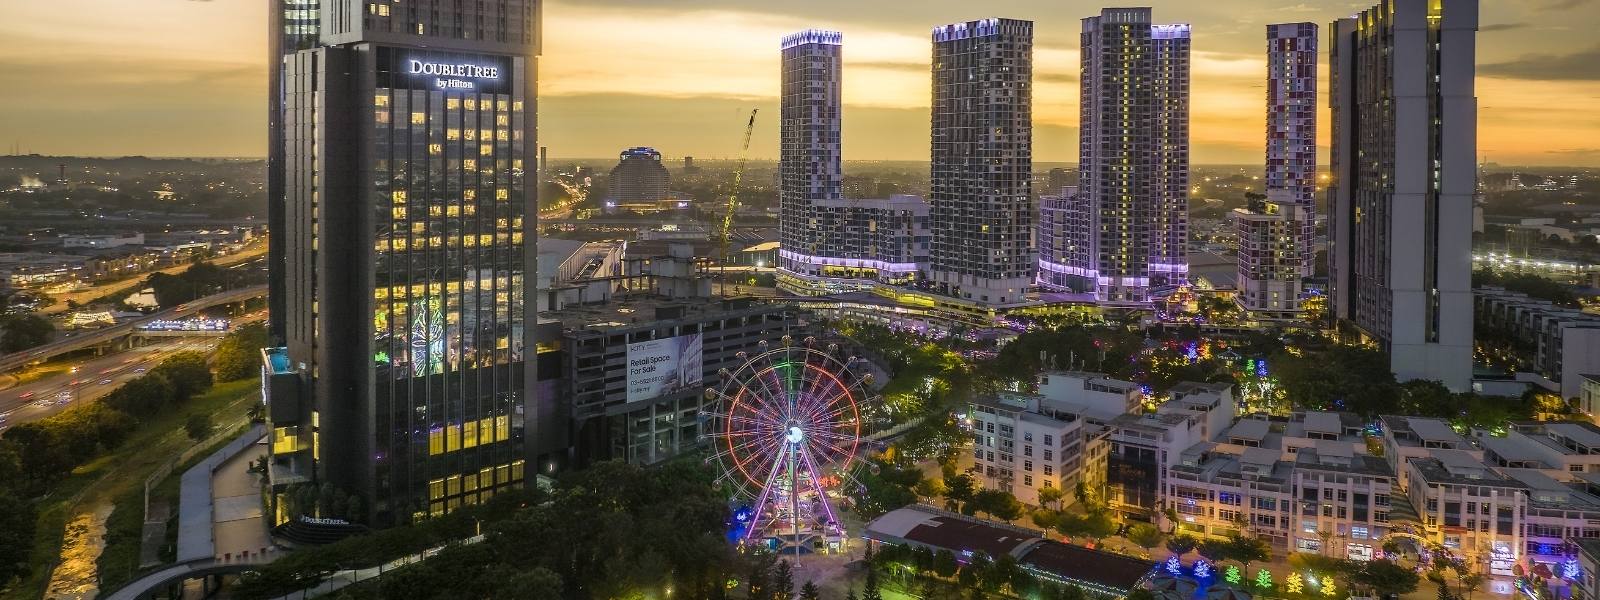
1133, 144
809, 155
1292, 127
1277, 237
409, 129
293, 27
981, 206
828, 243
1404, 141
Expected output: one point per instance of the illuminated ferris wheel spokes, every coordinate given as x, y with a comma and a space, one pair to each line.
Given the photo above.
786, 424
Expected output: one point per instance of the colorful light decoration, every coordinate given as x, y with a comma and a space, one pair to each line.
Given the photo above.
1264, 579
1173, 566
1293, 583
785, 427
1202, 569
1328, 589
1570, 569
1232, 575
427, 337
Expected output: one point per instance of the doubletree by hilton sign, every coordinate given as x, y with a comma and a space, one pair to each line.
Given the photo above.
453, 76
445, 71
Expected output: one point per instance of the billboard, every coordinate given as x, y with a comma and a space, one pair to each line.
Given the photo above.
664, 366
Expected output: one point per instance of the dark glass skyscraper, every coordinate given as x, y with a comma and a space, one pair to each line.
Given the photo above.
407, 133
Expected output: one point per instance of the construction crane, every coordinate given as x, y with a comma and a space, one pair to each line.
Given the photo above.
733, 198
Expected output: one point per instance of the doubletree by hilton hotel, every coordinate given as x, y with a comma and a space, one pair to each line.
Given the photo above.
406, 134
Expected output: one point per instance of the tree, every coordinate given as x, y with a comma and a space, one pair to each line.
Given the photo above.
1049, 497
24, 331
1214, 550
1263, 579
1427, 398
187, 372
782, 581
1145, 535
1181, 544
929, 489
959, 488
537, 583
945, 564
809, 591
1293, 583
239, 354
1385, 578
760, 580
17, 523
1248, 550
869, 589
198, 426
1141, 594
998, 504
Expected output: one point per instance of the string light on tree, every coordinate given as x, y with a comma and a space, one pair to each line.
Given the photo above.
1173, 566
1264, 579
1570, 569
1293, 583
1232, 574
1328, 589
1202, 569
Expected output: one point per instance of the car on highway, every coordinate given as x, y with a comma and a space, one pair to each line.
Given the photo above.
79, 381
139, 370
105, 382
63, 397
26, 395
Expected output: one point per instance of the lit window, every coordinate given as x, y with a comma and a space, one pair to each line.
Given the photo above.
419, 118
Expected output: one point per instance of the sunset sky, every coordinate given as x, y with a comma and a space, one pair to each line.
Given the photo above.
187, 77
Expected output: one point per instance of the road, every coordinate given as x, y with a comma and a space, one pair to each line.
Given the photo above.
95, 337
87, 379
254, 250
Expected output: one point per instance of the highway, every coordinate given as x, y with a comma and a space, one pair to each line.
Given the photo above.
253, 250
87, 379
16, 360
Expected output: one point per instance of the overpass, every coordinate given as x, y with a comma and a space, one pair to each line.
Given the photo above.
115, 333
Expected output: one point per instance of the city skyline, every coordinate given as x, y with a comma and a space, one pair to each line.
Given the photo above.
1533, 87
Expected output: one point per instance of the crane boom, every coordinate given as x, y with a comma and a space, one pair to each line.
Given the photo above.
733, 196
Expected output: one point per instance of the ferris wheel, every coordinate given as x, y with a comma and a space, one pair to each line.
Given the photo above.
786, 429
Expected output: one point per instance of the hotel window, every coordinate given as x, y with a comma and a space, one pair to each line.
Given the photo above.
418, 118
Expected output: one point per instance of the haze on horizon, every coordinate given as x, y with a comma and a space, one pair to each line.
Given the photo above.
187, 77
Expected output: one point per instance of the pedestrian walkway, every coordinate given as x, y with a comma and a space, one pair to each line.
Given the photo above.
196, 538
237, 524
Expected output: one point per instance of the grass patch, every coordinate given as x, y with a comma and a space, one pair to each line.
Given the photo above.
113, 476
41, 372
119, 562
